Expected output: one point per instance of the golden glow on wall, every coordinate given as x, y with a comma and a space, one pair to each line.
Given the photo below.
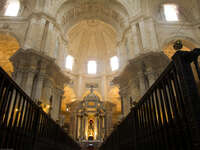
68, 97
8, 46
170, 51
114, 97
46, 108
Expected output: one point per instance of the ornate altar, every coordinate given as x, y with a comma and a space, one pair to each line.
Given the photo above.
91, 120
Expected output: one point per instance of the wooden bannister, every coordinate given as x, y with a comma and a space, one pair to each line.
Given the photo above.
168, 115
24, 125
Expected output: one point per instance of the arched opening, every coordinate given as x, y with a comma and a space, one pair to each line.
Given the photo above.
169, 50
112, 12
8, 47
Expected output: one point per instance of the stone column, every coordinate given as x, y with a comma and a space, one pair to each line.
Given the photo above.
141, 83
39, 87
109, 123
148, 35
137, 39
55, 105
105, 125
77, 118
41, 76
81, 126
18, 77
84, 126
19, 70
98, 130
151, 76
79, 91
29, 82
122, 55
100, 127
60, 96
104, 87
125, 101
48, 90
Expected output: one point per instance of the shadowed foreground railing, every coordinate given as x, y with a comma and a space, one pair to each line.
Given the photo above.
24, 126
167, 117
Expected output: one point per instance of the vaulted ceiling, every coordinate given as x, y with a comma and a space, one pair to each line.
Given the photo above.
92, 39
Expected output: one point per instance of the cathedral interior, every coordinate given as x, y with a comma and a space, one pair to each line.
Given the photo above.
87, 63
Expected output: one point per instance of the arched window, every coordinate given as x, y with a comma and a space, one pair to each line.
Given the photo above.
171, 12
69, 62
92, 67
114, 62
12, 8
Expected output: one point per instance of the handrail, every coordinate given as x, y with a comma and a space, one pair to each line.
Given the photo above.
24, 125
168, 116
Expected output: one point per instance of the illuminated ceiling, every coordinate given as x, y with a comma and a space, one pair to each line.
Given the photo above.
92, 39
8, 46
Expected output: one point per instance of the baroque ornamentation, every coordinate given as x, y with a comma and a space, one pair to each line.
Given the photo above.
94, 10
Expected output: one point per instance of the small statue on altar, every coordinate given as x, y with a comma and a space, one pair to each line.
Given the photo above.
91, 128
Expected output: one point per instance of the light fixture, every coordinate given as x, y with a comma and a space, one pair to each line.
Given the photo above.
178, 45
67, 108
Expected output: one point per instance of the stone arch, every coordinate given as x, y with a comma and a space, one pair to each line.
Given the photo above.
8, 47
72, 12
188, 44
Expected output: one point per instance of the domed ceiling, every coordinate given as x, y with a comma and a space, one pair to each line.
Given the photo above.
92, 39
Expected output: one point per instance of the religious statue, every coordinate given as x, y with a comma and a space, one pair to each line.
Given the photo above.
91, 128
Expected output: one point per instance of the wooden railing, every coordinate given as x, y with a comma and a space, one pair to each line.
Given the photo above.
24, 125
167, 117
